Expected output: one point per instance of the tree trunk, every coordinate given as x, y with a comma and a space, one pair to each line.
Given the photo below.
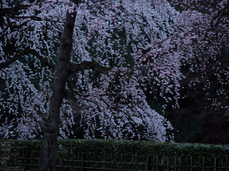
48, 152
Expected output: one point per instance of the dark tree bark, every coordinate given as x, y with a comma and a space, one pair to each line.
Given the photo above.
49, 149
48, 153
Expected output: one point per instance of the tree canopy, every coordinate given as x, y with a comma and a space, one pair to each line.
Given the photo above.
123, 54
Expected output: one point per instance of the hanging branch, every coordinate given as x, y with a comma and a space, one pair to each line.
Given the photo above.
19, 55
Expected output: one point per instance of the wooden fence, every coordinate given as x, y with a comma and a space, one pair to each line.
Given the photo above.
20, 159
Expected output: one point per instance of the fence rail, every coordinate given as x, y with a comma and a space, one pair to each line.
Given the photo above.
20, 159
86, 162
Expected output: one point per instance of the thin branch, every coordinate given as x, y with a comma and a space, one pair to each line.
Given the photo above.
17, 56
5, 11
220, 14
4, 30
13, 26
35, 18
74, 68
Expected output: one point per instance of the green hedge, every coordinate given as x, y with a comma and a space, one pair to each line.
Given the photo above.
124, 146
144, 147
119, 151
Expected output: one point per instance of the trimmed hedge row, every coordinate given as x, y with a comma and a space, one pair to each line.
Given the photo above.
115, 154
124, 146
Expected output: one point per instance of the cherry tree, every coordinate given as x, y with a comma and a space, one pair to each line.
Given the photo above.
204, 90
108, 53
116, 108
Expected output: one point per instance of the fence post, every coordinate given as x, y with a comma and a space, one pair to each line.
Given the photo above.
125, 161
104, 158
94, 159
175, 162
167, 162
147, 167
82, 161
121, 162
214, 163
226, 163
115, 161
24, 155
191, 163
203, 164
136, 162
111, 157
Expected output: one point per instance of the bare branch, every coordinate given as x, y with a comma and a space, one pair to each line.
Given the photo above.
8, 11
35, 18
18, 55
73, 68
